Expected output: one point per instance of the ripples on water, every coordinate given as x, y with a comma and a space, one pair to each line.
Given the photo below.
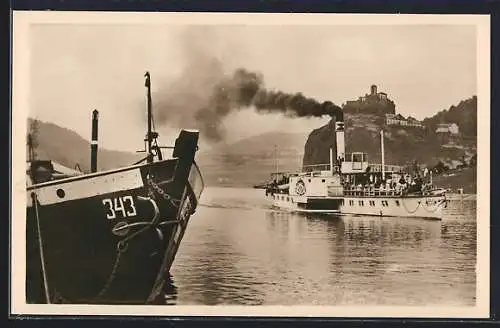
237, 250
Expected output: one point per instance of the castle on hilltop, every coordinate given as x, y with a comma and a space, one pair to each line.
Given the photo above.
374, 103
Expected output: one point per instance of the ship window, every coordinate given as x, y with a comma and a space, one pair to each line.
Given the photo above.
397, 202
308, 180
323, 180
60, 193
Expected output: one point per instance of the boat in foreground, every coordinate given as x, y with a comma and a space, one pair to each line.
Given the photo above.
110, 237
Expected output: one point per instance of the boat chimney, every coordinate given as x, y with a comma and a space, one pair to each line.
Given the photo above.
382, 151
339, 136
93, 143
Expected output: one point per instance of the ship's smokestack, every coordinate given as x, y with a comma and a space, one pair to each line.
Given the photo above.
93, 143
339, 136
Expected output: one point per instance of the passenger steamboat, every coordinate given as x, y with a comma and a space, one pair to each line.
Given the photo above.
388, 190
352, 185
109, 237
316, 189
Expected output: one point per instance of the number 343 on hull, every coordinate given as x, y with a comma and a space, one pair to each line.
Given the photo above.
110, 237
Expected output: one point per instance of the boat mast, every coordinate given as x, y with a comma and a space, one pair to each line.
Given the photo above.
276, 159
331, 160
93, 144
149, 136
31, 152
382, 151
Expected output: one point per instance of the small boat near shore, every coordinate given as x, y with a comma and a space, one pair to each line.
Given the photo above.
109, 237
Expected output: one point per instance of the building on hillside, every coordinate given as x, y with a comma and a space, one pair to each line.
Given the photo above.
400, 120
374, 103
448, 133
447, 128
411, 121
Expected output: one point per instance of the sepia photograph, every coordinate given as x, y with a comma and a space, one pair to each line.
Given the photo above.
329, 165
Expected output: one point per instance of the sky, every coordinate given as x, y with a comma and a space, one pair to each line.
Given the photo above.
75, 68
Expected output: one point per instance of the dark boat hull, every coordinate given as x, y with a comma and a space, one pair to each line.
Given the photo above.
108, 238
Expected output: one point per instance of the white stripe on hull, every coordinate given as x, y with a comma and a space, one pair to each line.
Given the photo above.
424, 207
85, 188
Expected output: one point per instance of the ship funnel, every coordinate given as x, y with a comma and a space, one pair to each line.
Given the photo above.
339, 137
93, 143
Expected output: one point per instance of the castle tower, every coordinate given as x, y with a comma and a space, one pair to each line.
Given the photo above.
373, 90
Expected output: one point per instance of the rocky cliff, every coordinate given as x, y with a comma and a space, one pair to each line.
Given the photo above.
318, 144
403, 145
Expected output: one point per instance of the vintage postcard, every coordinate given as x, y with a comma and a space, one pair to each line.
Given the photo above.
318, 165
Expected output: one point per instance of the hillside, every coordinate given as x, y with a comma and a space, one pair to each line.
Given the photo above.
70, 149
461, 178
464, 114
243, 163
252, 160
403, 145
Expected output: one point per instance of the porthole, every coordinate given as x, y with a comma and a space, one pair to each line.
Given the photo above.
60, 193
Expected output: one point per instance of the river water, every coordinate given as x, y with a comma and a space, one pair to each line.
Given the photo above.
238, 250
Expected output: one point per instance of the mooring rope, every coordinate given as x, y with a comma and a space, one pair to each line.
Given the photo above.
40, 247
436, 208
406, 208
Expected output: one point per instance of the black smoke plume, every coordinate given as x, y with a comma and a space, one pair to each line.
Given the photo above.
204, 94
242, 90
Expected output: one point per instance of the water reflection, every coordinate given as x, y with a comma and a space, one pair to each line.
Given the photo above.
263, 256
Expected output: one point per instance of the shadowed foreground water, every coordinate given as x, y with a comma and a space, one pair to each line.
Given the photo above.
237, 250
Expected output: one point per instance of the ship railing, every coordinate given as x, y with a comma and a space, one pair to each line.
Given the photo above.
375, 192
335, 192
377, 167
319, 168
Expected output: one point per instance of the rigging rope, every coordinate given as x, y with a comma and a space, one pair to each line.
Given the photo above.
40, 247
436, 208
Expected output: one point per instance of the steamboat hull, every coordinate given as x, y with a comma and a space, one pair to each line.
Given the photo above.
430, 207
306, 204
110, 237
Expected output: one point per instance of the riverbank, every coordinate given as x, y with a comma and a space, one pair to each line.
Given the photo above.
465, 178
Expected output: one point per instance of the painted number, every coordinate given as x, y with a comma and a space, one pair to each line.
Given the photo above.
124, 205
